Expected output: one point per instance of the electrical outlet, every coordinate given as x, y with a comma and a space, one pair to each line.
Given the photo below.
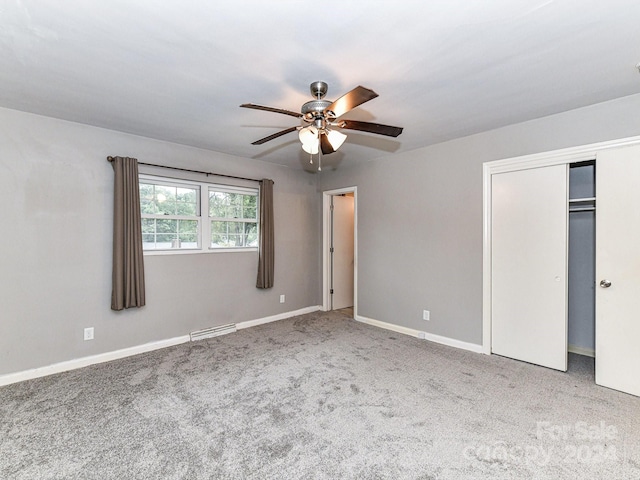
88, 333
281, 298
426, 315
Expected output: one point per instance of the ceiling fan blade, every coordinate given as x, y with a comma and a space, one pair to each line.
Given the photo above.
371, 127
275, 135
271, 109
350, 100
325, 145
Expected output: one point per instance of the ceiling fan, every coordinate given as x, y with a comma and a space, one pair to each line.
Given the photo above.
318, 129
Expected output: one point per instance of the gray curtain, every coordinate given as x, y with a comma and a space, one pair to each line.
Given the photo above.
266, 254
128, 265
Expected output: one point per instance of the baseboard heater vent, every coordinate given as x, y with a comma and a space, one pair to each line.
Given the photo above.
212, 332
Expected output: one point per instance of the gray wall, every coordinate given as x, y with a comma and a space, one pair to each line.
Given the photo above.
420, 235
55, 260
420, 216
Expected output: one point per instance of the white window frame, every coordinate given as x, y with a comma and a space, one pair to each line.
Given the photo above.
207, 227
203, 219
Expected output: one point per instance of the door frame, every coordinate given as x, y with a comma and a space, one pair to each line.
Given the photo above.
557, 157
326, 242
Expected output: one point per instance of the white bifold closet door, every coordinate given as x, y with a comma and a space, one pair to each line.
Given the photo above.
618, 269
529, 229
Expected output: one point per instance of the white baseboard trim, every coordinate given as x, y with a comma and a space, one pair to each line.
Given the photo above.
450, 342
91, 360
588, 352
275, 318
127, 352
389, 326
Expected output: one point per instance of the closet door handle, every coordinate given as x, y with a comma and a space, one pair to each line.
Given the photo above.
605, 283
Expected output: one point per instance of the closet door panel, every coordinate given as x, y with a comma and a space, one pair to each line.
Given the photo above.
618, 262
529, 265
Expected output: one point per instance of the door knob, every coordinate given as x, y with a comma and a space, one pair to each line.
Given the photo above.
605, 283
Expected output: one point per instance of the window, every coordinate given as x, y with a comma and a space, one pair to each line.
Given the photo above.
172, 216
233, 214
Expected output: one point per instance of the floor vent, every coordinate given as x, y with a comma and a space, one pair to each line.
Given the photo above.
212, 332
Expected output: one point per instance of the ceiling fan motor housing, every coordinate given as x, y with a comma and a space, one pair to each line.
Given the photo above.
315, 106
314, 110
318, 89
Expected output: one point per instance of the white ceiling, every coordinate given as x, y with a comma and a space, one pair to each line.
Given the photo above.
178, 70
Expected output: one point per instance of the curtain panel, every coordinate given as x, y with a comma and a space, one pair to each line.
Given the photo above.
128, 262
267, 247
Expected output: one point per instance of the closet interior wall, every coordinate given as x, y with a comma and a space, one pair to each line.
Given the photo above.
581, 271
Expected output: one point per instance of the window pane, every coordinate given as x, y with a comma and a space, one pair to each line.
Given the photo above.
251, 230
166, 226
164, 241
235, 227
236, 240
187, 201
166, 200
187, 195
188, 226
249, 212
187, 209
148, 241
250, 206
218, 203
147, 207
217, 241
148, 225
236, 234
188, 240
251, 200
146, 192
219, 228
188, 237
219, 235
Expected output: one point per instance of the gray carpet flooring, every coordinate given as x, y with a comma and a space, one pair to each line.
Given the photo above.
318, 396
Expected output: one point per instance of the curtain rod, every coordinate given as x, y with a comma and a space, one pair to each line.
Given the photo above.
110, 159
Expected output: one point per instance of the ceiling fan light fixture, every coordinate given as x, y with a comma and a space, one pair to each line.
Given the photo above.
308, 134
336, 139
311, 148
309, 138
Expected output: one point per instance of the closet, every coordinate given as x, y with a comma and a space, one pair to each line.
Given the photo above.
562, 262
581, 259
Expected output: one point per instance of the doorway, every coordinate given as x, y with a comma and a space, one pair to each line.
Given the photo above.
339, 249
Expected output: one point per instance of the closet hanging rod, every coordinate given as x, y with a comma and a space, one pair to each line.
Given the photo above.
582, 200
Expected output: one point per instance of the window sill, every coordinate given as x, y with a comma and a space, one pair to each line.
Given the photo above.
153, 253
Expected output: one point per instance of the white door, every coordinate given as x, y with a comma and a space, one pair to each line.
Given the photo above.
529, 216
618, 262
342, 266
